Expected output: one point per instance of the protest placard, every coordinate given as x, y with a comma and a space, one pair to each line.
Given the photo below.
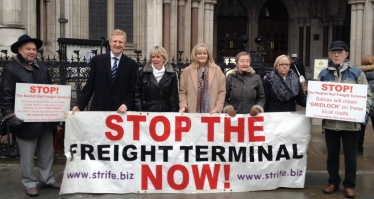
139, 152
41, 102
319, 65
336, 101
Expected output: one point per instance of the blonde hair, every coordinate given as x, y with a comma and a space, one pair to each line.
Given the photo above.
367, 60
118, 32
242, 54
159, 50
279, 58
198, 48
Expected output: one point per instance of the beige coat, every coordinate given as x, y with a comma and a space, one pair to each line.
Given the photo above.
188, 89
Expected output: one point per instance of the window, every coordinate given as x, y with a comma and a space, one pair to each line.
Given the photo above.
123, 17
97, 19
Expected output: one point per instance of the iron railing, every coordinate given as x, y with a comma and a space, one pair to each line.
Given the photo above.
74, 72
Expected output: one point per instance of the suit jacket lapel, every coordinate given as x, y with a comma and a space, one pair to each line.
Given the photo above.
108, 65
121, 65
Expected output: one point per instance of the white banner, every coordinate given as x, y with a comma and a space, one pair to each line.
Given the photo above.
41, 102
336, 101
139, 152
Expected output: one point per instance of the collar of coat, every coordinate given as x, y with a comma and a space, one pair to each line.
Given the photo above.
250, 70
342, 68
148, 68
366, 67
19, 59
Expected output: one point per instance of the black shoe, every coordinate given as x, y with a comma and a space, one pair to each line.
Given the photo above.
360, 149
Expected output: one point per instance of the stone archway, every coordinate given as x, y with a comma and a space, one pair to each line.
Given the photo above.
232, 24
273, 26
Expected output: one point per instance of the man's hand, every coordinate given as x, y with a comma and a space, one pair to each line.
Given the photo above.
75, 108
13, 121
122, 109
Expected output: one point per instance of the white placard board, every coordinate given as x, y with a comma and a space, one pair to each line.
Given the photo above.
336, 101
42, 102
319, 65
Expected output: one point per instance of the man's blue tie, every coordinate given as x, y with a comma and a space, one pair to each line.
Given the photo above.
114, 69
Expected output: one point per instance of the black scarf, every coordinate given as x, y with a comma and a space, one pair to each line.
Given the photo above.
284, 89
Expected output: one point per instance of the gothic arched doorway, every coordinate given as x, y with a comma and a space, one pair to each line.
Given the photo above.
231, 26
273, 26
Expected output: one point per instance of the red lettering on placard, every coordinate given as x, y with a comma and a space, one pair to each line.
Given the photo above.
239, 129
206, 174
179, 129
148, 174
210, 121
338, 88
136, 125
185, 177
43, 89
109, 123
252, 128
152, 128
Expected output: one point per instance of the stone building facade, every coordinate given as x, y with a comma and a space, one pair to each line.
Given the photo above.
288, 26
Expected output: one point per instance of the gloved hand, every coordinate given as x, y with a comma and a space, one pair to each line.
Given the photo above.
231, 112
13, 121
254, 111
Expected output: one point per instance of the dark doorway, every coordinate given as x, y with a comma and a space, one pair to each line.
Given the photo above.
231, 26
273, 26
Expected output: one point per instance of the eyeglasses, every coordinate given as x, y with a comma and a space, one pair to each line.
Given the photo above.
283, 64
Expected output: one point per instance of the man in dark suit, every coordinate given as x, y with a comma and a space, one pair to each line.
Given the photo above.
111, 79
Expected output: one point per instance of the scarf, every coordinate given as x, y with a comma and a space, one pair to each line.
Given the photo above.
158, 73
203, 102
284, 89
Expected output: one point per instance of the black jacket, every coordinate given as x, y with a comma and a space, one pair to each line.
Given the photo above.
108, 94
17, 71
273, 104
156, 96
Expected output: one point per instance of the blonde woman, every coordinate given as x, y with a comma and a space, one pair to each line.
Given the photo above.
282, 87
157, 84
202, 84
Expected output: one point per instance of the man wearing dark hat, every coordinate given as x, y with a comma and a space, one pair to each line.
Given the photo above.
339, 70
32, 137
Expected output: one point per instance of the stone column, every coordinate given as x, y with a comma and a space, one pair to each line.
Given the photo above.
208, 23
153, 24
62, 20
194, 22
301, 39
359, 33
180, 27
325, 39
352, 44
368, 34
11, 27
110, 18
166, 26
307, 41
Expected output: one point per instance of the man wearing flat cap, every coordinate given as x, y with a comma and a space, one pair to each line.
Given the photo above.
339, 70
32, 137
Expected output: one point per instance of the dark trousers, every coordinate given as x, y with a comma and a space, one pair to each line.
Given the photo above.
349, 141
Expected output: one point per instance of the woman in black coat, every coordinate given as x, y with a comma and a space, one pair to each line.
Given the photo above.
157, 84
282, 87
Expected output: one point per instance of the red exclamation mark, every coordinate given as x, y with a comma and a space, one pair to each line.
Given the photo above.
351, 88
226, 170
57, 90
